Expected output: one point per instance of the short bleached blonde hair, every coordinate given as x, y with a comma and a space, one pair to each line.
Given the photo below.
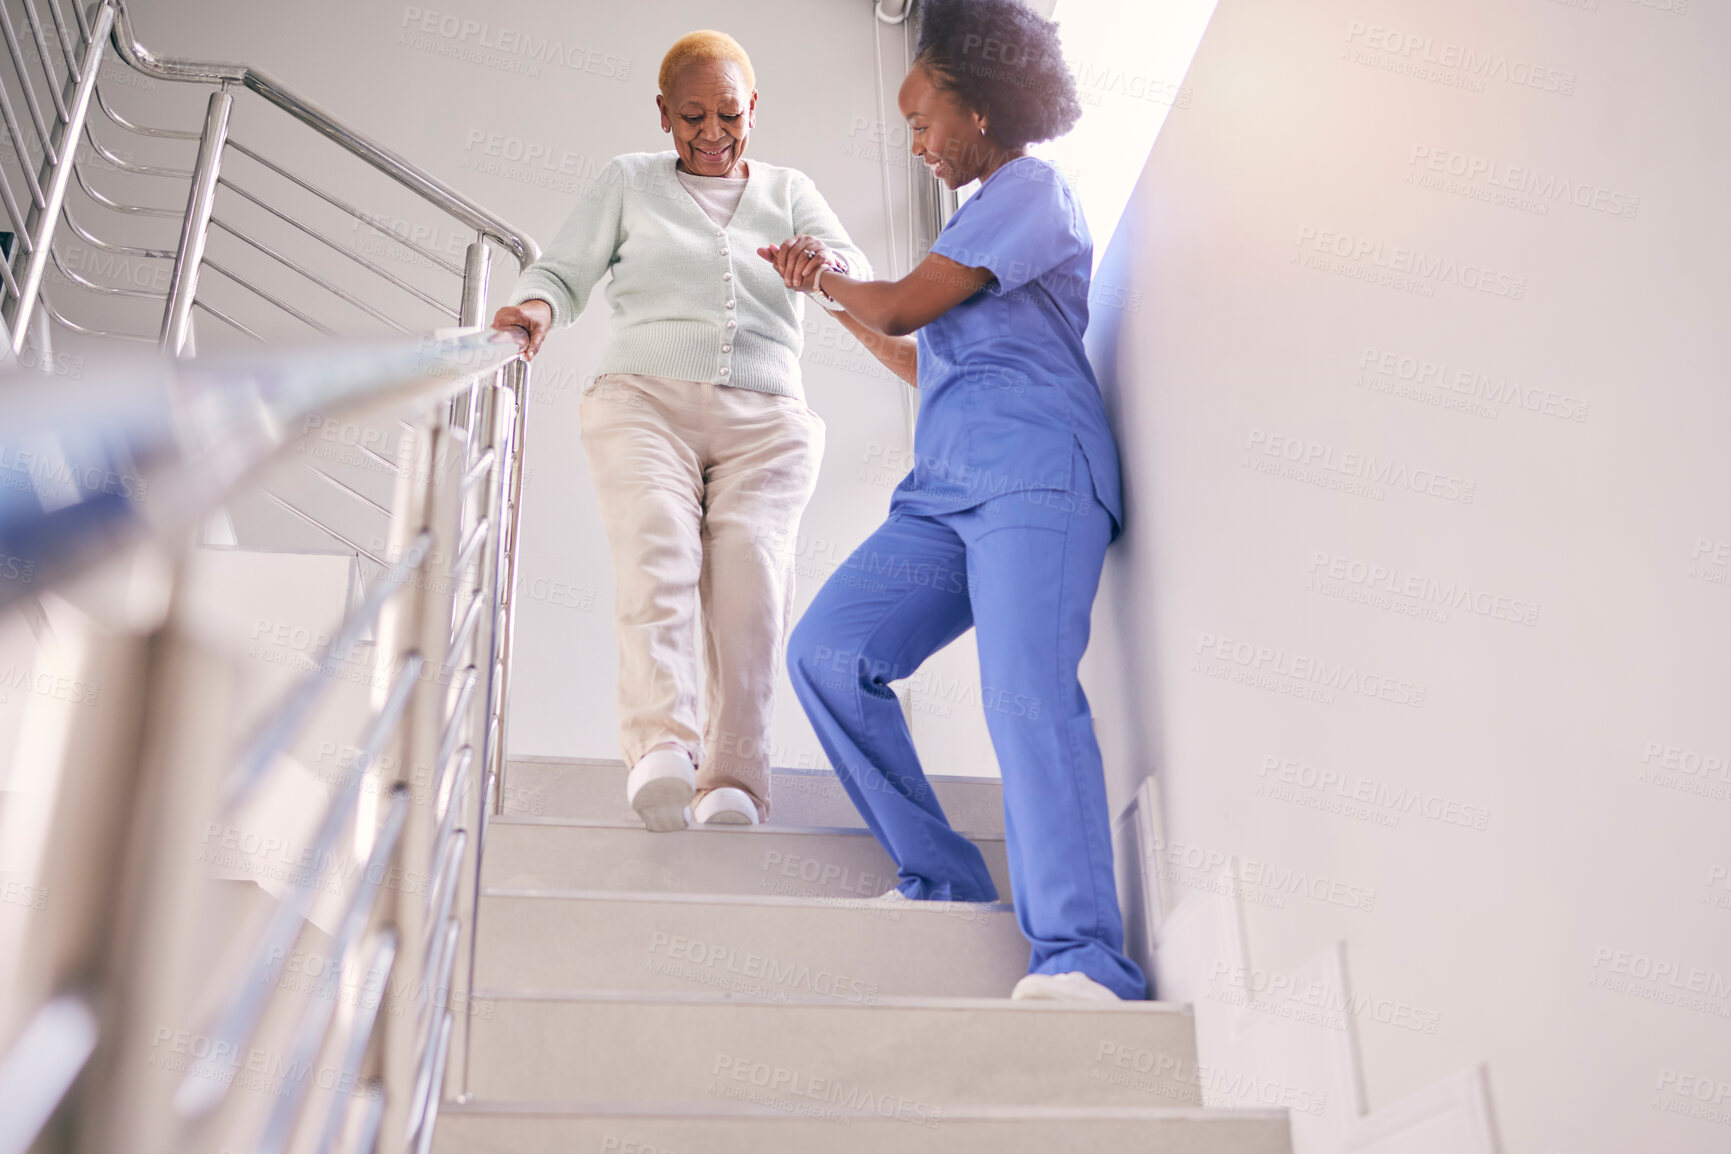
705, 44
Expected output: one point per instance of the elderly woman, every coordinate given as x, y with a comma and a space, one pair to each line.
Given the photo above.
696, 429
1015, 487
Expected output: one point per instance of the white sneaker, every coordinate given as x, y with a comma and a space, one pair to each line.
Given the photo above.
726, 806
659, 788
1070, 987
890, 898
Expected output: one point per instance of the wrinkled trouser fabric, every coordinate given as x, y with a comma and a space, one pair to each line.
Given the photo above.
1022, 570
701, 488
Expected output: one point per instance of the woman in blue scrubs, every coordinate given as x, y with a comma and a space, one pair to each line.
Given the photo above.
1003, 523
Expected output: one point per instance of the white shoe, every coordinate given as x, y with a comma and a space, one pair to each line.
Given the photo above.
890, 898
1070, 987
659, 788
726, 806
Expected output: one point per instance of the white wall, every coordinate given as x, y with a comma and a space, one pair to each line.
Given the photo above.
1582, 737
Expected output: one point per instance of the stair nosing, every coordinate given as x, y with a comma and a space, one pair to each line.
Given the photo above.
616, 763
605, 823
918, 908
894, 1002
699, 1110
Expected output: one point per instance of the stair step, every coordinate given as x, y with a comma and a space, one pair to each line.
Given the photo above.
798, 1125
846, 950
594, 790
810, 862
928, 1053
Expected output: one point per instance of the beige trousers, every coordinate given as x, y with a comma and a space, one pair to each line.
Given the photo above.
701, 488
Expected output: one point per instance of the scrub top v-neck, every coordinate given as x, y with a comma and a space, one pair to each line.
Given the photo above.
1007, 394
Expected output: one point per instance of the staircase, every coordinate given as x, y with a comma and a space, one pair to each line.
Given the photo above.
513, 963
727, 990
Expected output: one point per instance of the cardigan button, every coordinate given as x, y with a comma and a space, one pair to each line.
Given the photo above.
726, 276
730, 324
730, 303
721, 232
725, 370
727, 348
723, 250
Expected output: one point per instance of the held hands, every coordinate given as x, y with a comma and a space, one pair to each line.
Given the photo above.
798, 259
532, 318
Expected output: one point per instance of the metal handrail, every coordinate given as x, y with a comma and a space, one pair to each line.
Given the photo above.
108, 246
417, 180
339, 204
197, 429
199, 303
140, 129
44, 1060
60, 120
132, 166
325, 240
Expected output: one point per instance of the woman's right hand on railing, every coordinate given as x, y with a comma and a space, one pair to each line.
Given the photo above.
532, 317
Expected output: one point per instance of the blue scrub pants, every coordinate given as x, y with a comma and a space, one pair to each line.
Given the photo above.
1022, 569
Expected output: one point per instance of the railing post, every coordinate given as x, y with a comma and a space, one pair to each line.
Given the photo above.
418, 620
200, 200
58, 174
516, 377
497, 417
471, 311
178, 689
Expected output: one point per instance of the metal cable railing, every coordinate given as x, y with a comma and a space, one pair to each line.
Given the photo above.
194, 431
58, 95
253, 260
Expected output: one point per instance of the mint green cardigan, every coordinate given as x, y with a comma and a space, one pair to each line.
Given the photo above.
690, 299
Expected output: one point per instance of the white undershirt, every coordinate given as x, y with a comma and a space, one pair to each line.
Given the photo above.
718, 196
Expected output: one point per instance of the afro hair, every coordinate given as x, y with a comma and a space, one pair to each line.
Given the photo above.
1002, 60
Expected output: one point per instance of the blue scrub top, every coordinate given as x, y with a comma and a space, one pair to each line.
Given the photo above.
1006, 391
